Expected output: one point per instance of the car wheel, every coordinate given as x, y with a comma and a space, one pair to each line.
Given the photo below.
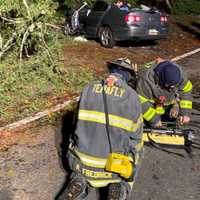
106, 37
68, 29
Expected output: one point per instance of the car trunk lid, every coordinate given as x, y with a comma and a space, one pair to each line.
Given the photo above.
150, 19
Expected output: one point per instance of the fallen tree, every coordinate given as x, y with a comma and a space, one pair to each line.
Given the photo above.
25, 26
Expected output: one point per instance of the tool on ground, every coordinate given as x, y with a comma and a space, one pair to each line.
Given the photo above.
171, 137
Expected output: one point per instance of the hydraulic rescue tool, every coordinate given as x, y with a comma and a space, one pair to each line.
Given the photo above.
170, 137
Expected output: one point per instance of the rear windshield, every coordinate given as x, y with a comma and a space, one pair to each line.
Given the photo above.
144, 8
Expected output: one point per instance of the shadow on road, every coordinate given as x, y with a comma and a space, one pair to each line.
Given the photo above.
67, 128
137, 43
197, 25
131, 43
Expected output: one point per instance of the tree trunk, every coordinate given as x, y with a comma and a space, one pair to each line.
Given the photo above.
168, 4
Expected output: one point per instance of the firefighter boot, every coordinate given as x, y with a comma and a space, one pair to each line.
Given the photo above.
76, 189
118, 191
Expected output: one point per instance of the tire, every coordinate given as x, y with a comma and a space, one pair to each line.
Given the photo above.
106, 37
68, 29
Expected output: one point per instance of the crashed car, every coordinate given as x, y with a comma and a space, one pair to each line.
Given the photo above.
110, 24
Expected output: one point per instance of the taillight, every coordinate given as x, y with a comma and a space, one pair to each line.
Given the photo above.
163, 18
132, 18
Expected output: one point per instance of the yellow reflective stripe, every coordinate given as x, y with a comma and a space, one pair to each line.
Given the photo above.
149, 114
116, 121
96, 174
164, 138
102, 183
91, 161
187, 87
144, 100
91, 116
186, 104
124, 123
160, 110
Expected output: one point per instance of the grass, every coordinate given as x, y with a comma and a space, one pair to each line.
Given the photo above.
35, 85
187, 19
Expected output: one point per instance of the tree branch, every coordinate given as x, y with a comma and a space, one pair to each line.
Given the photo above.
1, 42
168, 4
12, 21
23, 42
5, 49
47, 49
8, 45
53, 26
28, 10
8, 20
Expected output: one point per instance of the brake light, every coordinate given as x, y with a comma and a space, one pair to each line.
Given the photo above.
163, 18
132, 18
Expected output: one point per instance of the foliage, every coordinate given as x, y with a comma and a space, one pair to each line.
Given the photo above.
24, 24
74, 3
32, 72
35, 86
29, 9
186, 7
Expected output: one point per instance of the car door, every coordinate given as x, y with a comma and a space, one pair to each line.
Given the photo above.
95, 17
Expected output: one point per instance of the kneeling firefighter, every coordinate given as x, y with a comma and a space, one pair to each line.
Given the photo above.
165, 92
106, 146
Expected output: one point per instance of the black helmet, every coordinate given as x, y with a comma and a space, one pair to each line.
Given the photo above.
123, 63
168, 73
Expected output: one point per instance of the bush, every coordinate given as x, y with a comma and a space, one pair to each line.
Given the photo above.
24, 25
35, 86
186, 7
72, 3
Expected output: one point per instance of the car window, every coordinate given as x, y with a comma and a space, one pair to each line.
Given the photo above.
100, 6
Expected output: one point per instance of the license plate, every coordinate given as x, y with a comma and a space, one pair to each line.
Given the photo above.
153, 32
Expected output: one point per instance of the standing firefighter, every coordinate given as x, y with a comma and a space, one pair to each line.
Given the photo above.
164, 90
106, 146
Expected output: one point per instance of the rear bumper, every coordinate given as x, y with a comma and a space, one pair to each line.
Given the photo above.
140, 33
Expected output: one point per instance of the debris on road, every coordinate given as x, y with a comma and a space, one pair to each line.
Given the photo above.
80, 39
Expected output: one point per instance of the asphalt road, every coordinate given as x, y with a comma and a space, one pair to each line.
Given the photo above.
33, 170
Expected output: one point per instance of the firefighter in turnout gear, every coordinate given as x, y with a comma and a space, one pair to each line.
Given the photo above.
106, 146
164, 90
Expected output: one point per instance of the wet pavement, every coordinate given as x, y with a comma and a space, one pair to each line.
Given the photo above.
32, 169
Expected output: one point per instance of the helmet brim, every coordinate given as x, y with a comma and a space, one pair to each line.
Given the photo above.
126, 67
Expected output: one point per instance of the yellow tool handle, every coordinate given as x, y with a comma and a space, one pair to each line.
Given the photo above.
164, 138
